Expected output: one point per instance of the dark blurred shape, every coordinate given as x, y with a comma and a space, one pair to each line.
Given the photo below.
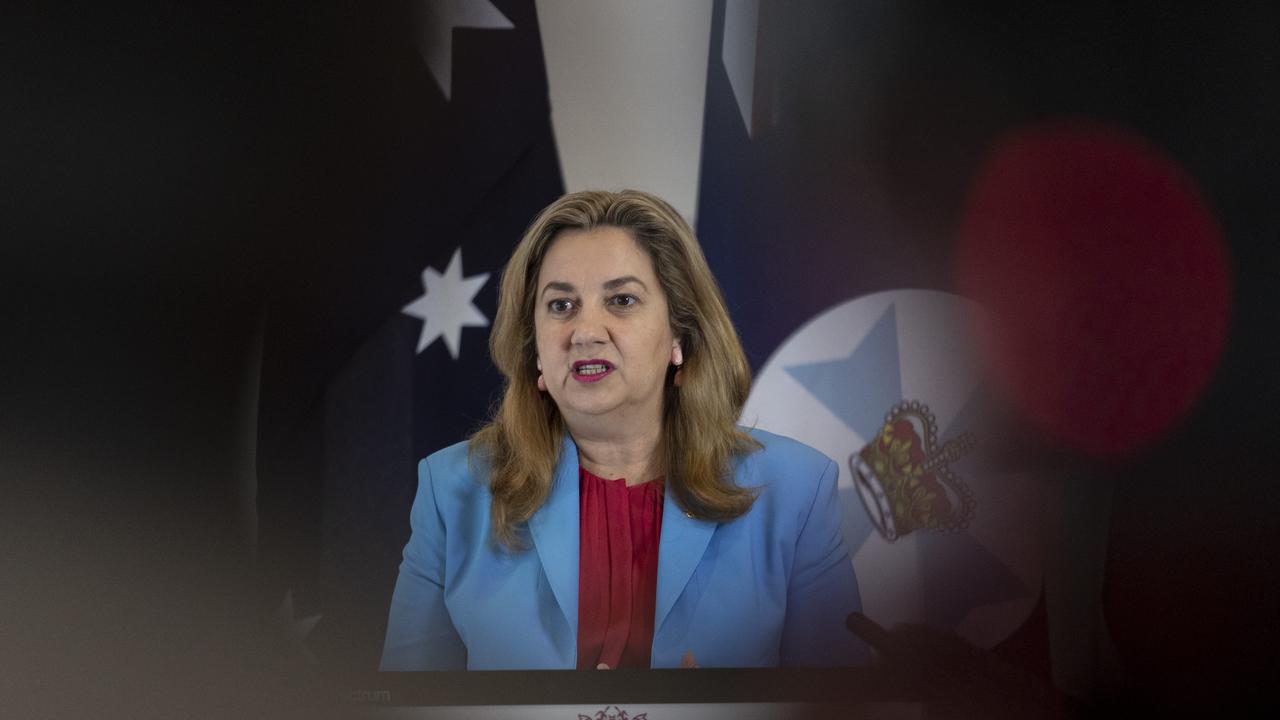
1192, 587
960, 680
1105, 273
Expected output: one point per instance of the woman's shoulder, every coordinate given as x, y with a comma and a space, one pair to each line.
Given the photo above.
788, 475
781, 453
454, 468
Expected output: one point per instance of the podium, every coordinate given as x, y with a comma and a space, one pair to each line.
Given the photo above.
632, 694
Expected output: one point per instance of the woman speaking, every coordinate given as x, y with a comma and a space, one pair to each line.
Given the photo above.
612, 514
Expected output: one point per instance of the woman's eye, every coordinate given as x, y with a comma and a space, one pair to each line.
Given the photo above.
624, 300
560, 306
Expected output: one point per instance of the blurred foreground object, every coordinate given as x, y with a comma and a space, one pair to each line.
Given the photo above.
963, 681
1106, 277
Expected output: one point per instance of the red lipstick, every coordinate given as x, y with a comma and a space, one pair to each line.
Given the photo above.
589, 371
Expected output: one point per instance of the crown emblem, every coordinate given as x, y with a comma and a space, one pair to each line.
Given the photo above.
903, 478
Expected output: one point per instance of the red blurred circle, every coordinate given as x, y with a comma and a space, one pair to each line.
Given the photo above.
1104, 276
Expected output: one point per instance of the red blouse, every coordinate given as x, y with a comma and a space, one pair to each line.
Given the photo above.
617, 570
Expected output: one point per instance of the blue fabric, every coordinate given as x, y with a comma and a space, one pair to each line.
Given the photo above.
769, 588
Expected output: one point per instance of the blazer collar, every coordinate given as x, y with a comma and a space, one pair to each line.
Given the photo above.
680, 548
555, 526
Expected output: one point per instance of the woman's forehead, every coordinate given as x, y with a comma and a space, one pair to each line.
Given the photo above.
595, 257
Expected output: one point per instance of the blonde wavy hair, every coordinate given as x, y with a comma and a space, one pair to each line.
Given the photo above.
521, 444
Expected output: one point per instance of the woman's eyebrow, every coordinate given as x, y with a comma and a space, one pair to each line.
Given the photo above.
619, 282
558, 285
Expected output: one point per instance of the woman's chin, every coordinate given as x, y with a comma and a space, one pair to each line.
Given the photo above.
589, 412
589, 408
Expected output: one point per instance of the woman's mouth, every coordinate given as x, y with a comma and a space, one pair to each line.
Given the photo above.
588, 371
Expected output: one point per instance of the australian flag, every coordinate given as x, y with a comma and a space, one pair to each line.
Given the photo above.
432, 151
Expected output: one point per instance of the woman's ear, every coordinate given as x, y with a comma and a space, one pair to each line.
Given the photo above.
677, 359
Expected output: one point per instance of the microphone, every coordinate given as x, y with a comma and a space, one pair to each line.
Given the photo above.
871, 632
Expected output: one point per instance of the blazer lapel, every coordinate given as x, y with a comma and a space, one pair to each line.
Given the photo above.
680, 549
555, 534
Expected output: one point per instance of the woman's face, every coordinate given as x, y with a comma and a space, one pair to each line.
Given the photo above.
604, 339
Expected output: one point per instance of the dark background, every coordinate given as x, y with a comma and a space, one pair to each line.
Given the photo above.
166, 168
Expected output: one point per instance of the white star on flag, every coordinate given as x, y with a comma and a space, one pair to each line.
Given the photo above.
445, 306
738, 52
436, 19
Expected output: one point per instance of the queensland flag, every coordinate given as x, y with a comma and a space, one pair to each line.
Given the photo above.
828, 192
428, 150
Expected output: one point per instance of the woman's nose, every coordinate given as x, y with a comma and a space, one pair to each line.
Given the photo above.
588, 328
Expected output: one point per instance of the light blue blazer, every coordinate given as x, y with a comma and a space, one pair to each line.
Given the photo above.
772, 587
